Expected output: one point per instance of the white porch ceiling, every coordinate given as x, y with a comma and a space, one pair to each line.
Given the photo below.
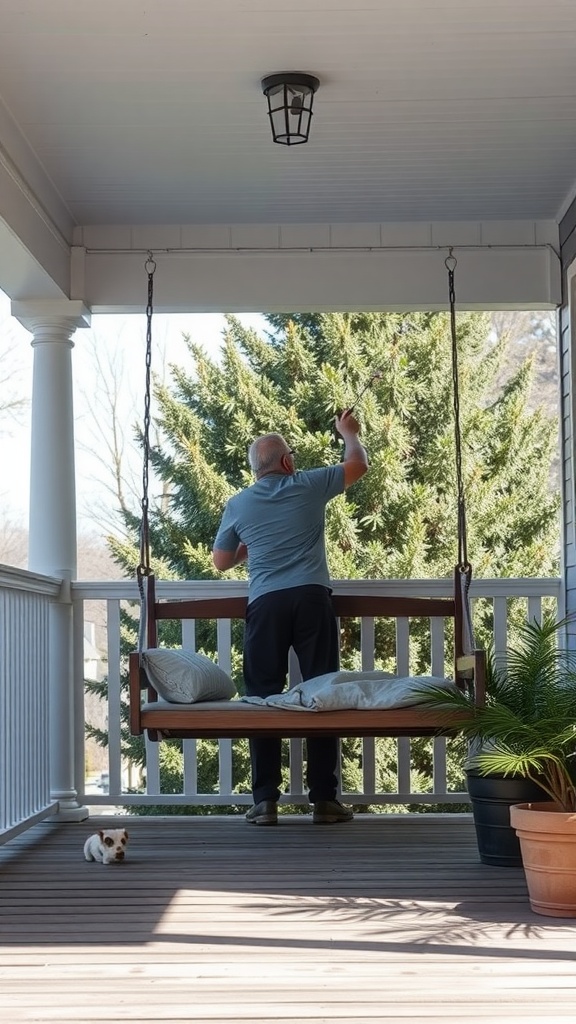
151, 112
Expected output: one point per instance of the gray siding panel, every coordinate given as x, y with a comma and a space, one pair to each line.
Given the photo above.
571, 577
568, 254
568, 223
567, 234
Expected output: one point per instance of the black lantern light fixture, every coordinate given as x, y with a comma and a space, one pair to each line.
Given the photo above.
290, 96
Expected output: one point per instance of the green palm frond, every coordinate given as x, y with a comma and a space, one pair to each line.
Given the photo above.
527, 726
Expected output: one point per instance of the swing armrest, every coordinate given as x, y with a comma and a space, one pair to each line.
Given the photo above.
137, 682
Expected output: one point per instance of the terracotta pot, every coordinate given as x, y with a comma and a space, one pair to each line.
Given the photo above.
548, 844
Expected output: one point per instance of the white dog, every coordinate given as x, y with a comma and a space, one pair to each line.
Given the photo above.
106, 846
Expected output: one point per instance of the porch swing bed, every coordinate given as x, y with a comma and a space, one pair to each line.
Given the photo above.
230, 719
239, 718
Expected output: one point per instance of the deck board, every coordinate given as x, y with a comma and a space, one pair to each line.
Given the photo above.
388, 918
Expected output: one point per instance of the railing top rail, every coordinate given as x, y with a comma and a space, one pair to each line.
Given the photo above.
127, 590
12, 578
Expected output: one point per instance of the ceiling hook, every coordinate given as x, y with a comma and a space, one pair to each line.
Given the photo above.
450, 261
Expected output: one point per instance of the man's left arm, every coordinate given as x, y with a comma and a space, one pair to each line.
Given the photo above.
228, 559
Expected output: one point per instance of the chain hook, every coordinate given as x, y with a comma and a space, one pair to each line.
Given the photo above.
450, 262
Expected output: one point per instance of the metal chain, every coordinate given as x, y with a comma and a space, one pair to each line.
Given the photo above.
463, 567
143, 568
450, 263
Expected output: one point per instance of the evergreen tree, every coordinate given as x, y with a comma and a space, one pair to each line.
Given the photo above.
399, 521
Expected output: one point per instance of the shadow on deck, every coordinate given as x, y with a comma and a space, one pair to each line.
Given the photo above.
212, 919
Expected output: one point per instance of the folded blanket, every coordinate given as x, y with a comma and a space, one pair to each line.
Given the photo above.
337, 691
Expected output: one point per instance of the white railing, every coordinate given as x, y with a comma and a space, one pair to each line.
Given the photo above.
24, 699
497, 597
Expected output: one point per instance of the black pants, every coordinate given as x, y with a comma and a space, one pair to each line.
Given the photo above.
302, 618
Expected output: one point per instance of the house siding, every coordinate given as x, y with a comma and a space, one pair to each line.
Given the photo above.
566, 349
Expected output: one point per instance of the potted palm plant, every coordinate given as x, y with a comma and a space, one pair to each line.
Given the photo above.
527, 730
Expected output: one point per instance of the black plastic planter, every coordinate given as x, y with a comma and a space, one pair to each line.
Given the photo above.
492, 796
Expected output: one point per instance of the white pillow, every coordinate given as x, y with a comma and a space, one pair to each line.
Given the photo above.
185, 677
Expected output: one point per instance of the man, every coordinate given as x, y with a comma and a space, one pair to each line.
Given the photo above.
278, 525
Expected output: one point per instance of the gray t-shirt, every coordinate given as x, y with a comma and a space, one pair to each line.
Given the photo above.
280, 519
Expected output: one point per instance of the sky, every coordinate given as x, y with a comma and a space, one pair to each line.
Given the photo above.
117, 344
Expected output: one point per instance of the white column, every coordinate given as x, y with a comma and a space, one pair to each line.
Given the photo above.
52, 540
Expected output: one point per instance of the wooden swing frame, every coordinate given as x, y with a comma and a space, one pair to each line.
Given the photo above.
233, 719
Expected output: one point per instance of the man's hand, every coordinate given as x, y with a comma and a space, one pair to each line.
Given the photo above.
346, 423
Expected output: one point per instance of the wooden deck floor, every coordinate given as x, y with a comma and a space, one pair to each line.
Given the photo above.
211, 919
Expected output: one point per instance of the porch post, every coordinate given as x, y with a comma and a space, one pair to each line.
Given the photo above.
52, 540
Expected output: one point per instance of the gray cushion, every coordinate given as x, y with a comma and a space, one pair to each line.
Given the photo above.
185, 677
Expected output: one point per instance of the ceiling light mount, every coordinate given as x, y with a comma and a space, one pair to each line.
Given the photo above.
290, 96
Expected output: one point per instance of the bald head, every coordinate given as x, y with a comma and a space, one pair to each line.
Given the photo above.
266, 453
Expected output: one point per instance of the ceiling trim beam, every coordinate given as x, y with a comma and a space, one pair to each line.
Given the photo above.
506, 277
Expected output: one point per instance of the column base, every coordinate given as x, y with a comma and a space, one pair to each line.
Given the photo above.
70, 810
